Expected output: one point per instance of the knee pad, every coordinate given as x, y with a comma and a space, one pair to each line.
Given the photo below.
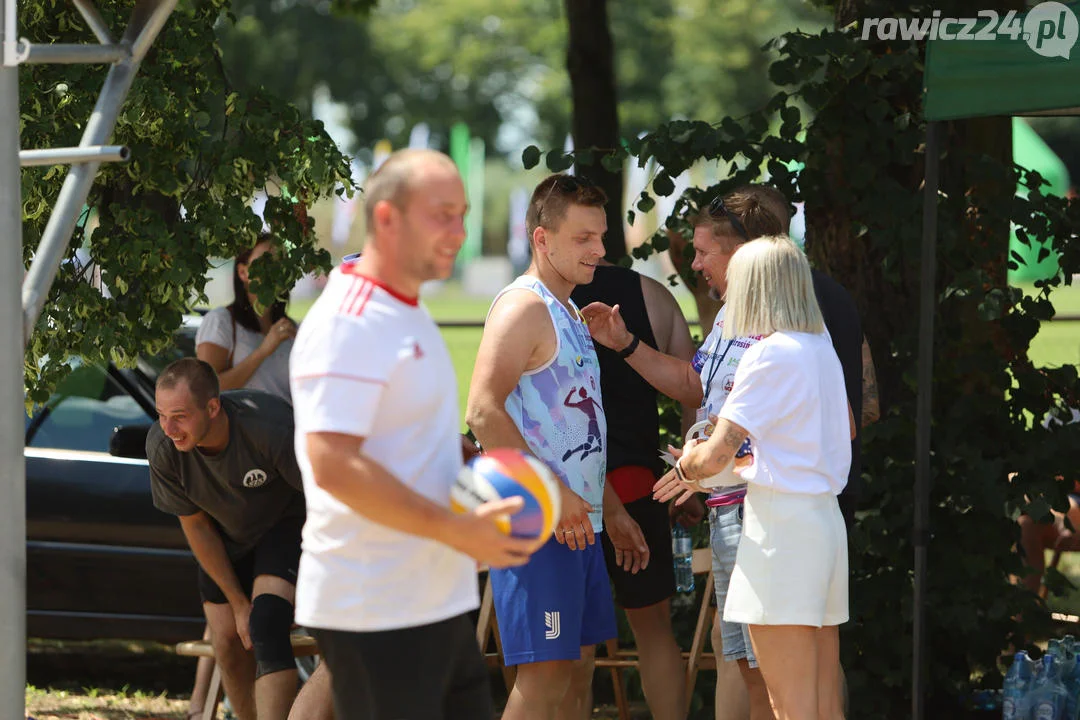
269, 624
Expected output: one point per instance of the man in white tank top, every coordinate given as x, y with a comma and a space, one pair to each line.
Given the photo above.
536, 386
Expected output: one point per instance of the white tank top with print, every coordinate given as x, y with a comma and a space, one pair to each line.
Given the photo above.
557, 406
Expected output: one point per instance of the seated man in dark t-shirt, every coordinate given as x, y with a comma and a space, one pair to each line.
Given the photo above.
226, 465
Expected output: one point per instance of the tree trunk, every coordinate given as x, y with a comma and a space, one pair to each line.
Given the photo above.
590, 60
865, 231
833, 246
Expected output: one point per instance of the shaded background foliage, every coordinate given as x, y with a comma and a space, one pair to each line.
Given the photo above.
200, 150
491, 63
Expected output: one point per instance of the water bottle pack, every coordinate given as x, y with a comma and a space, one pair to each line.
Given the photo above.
1047, 689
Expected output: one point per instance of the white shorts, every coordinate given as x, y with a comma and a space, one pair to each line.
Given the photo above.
792, 564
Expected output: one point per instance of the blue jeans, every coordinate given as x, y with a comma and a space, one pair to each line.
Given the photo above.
725, 529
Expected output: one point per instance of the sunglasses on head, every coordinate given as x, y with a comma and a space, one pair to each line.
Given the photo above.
567, 184
718, 209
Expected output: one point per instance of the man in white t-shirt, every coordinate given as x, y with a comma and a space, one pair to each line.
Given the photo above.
388, 572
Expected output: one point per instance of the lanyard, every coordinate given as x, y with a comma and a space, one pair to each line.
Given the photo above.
714, 366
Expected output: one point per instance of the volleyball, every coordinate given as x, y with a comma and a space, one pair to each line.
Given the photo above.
504, 473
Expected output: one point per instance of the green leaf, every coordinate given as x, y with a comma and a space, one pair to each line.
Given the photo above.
663, 184
558, 161
1039, 510
530, 157
613, 161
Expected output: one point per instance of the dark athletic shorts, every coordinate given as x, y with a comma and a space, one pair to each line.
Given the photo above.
277, 553
429, 672
656, 582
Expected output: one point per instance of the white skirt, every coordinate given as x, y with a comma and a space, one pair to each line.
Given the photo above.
792, 564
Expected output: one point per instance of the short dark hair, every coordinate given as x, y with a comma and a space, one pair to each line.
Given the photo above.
554, 196
201, 379
762, 210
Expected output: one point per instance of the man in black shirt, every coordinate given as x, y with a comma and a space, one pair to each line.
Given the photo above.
225, 464
845, 328
633, 466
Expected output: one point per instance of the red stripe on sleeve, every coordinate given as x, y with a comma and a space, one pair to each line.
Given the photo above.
358, 304
355, 289
340, 376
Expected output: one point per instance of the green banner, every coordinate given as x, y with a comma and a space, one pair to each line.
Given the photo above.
1011, 64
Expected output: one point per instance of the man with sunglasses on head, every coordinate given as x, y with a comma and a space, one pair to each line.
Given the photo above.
536, 387
705, 382
729, 221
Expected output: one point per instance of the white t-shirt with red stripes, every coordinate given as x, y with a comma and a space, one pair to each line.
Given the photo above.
371, 363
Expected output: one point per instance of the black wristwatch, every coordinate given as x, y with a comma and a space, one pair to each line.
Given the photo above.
629, 349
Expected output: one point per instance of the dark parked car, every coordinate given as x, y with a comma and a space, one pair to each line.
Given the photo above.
102, 561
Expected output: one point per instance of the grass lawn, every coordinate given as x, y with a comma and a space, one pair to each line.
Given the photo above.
97, 704
1058, 343
1069, 602
449, 302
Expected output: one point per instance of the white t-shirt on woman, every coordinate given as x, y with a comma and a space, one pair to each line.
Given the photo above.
789, 395
272, 375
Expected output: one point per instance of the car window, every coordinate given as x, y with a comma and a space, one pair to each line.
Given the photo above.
82, 413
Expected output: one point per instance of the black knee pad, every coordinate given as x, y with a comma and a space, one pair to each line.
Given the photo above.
270, 622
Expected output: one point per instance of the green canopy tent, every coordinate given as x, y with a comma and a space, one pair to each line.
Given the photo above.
1031, 151
1034, 75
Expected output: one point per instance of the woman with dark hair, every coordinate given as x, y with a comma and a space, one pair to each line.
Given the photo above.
246, 349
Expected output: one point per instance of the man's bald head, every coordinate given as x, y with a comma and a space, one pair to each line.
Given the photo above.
396, 178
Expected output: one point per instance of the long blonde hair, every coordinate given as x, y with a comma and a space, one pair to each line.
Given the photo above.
769, 289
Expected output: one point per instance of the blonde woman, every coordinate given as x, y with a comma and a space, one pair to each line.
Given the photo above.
790, 579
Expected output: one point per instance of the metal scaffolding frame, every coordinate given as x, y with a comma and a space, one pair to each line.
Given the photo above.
17, 318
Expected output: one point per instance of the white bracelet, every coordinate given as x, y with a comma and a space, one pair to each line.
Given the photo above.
679, 471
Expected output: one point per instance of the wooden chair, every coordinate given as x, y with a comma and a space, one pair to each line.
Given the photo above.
487, 628
697, 659
302, 645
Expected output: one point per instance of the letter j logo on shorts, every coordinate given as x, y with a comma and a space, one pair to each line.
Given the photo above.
551, 625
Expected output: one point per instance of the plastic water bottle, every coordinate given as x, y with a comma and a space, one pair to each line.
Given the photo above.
1014, 693
682, 547
1072, 687
1047, 692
